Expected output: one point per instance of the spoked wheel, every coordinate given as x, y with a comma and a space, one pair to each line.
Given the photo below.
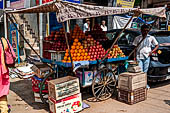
43, 95
104, 84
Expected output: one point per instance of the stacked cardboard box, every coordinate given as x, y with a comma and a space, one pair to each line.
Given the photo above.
64, 95
132, 87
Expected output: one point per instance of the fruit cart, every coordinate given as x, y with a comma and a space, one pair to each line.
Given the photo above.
104, 79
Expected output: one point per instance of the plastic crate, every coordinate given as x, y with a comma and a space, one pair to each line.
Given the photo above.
132, 97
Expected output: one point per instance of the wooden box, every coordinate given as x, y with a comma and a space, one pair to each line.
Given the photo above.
132, 97
63, 87
40, 69
131, 81
70, 104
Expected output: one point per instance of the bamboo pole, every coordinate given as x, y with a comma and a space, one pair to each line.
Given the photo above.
67, 44
117, 38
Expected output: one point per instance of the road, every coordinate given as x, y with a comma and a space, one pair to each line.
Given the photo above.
158, 101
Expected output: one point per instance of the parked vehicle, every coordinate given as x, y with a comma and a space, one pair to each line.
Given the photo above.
159, 69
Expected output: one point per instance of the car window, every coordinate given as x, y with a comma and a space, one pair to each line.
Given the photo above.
163, 39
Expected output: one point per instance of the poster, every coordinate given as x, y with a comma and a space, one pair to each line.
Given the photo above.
125, 3
1, 4
14, 40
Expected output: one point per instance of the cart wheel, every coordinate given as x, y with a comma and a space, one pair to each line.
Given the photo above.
42, 94
104, 84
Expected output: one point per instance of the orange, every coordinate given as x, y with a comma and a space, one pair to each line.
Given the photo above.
66, 54
86, 54
81, 47
83, 51
80, 50
63, 61
74, 58
68, 58
66, 50
82, 54
77, 47
79, 44
81, 58
85, 57
76, 40
74, 43
78, 58
75, 55
78, 54
72, 51
73, 47
88, 57
65, 58
75, 51
68, 61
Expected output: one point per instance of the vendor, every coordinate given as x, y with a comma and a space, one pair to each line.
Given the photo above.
144, 51
86, 26
103, 26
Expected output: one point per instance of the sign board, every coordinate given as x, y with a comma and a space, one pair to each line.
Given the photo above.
14, 40
125, 3
17, 4
1, 4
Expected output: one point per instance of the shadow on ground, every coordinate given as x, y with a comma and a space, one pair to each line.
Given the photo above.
23, 88
159, 84
167, 102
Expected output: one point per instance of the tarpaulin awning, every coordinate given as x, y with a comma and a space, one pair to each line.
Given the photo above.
67, 10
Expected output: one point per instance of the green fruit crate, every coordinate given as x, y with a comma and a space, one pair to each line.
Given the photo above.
132, 97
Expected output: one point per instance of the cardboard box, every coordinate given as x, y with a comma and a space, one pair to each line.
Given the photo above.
70, 104
63, 87
37, 97
40, 69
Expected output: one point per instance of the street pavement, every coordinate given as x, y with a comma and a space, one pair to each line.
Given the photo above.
158, 101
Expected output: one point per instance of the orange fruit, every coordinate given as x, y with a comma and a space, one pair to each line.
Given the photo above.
68, 61
82, 54
78, 54
76, 40
77, 47
65, 58
66, 50
88, 57
80, 50
72, 51
81, 47
73, 47
81, 58
75, 55
63, 61
74, 43
79, 44
74, 58
85, 57
66, 54
78, 58
86, 54
75, 51
83, 51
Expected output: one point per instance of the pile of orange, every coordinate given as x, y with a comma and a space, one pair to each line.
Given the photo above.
116, 52
77, 33
77, 51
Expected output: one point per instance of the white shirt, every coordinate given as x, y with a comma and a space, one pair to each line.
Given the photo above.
145, 47
104, 28
85, 28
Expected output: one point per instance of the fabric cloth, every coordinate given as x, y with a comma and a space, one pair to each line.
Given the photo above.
4, 72
144, 64
104, 28
144, 48
3, 104
85, 28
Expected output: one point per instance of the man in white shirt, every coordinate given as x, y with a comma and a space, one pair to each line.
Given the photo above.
86, 26
103, 26
144, 51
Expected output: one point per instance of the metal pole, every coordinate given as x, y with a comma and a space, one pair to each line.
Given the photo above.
67, 44
41, 31
117, 38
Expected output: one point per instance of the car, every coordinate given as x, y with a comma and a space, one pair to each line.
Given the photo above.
159, 69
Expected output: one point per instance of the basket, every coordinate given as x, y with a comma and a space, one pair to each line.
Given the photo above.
132, 97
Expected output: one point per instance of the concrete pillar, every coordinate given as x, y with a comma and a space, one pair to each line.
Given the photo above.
110, 18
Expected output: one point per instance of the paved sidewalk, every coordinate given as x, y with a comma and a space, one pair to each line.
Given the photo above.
158, 101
